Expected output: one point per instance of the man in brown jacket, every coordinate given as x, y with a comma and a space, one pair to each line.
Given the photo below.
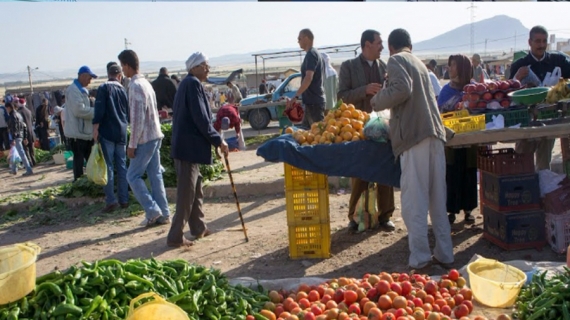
418, 137
360, 79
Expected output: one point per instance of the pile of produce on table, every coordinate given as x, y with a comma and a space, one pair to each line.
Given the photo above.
341, 124
545, 298
104, 289
492, 95
559, 92
397, 296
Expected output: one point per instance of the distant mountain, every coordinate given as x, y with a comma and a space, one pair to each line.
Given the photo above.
499, 31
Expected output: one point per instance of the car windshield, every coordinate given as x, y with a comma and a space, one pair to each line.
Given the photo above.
292, 85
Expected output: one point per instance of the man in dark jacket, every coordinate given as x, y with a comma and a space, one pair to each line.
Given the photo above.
110, 129
28, 147
19, 134
165, 89
193, 136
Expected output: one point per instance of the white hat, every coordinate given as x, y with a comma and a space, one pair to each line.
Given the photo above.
195, 59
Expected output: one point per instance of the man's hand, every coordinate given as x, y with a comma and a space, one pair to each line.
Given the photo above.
25, 142
373, 88
224, 148
522, 73
291, 103
96, 135
131, 153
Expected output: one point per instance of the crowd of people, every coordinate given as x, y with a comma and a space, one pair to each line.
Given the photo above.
435, 180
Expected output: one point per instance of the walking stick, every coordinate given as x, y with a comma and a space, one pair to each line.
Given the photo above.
235, 195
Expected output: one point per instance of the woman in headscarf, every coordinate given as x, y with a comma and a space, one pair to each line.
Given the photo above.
461, 163
330, 82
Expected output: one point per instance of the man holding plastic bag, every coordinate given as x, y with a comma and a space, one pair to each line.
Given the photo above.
360, 79
540, 68
418, 137
19, 135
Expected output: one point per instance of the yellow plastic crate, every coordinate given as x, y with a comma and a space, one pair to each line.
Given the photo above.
455, 114
310, 241
298, 179
466, 124
307, 207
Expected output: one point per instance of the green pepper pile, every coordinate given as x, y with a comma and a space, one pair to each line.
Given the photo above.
104, 289
545, 298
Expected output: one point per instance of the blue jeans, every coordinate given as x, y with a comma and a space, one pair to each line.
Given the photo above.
20, 148
147, 159
116, 153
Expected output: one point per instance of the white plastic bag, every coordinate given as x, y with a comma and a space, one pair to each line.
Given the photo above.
378, 127
14, 156
549, 181
551, 79
531, 79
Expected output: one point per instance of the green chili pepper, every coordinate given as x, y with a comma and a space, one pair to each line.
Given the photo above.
566, 310
69, 298
47, 277
55, 289
94, 305
66, 308
131, 276
178, 297
14, 314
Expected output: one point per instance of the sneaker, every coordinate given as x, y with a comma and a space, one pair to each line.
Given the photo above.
352, 225
26, 174
124, 205
388, 225
110, 208
147, 223
163, 220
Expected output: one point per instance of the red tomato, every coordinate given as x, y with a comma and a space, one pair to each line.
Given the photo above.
454, 275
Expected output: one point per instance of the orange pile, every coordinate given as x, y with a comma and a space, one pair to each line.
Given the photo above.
340, 125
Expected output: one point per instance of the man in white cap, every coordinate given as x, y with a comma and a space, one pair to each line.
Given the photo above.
78, 118
193, 136
143, 147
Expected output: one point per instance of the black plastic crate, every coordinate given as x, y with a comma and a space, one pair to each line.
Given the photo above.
515, 230
510, 193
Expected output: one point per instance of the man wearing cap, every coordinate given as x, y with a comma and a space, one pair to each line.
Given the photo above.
193, 136
110, 129
479, 74
78, 125
27, 116
165, 89
227, 118
143, 147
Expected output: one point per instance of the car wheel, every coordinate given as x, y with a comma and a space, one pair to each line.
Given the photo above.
259, 118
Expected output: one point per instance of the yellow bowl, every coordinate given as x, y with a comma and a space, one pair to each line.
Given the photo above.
17, 271
155, 309
495, 284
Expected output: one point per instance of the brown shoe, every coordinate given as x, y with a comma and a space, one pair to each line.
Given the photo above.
185, 243
110, 208
124, 205
204, 234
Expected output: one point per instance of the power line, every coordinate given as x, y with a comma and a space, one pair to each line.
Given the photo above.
467, 44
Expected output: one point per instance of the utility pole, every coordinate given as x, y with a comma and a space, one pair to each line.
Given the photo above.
485, 54
30, 79
127, 44
515, 40
472, 7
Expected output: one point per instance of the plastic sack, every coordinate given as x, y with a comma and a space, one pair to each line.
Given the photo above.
552, 79
549, 181
96, 166
366, 214
378, 127
155, 309
14, 156
531, 79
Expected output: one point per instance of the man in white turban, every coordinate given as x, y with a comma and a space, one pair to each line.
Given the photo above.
193, 136
330, 83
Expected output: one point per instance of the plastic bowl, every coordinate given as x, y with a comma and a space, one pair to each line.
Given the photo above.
17, 271
529, 96
495, 284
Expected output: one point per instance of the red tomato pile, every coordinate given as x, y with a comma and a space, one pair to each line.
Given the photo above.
384, 296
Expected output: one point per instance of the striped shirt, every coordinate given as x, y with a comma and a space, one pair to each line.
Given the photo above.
145, 123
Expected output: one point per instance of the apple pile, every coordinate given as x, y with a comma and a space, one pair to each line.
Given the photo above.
478, 96
384, 296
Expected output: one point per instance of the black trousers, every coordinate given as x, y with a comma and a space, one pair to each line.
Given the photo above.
4, 141
81, 151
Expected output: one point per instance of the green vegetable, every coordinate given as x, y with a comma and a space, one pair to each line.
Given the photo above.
544, 298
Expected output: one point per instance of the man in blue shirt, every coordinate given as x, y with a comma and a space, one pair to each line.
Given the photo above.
540, 62
312, 91
110, 129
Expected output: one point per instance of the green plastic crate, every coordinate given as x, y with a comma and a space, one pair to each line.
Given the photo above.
567, 168
547, 114
284, 122
512, 117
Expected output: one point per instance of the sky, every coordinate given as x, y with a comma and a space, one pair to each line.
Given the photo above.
58, 36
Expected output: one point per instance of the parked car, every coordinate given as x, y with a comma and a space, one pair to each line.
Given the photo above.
259, 118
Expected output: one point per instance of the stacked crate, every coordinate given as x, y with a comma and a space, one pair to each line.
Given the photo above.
308, 221
510, 200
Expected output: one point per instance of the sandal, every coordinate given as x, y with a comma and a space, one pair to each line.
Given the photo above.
468, 217
185, 243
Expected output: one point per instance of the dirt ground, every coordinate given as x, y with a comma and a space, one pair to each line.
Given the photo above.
75, 230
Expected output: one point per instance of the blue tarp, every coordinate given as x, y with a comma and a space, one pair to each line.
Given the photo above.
368, 160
